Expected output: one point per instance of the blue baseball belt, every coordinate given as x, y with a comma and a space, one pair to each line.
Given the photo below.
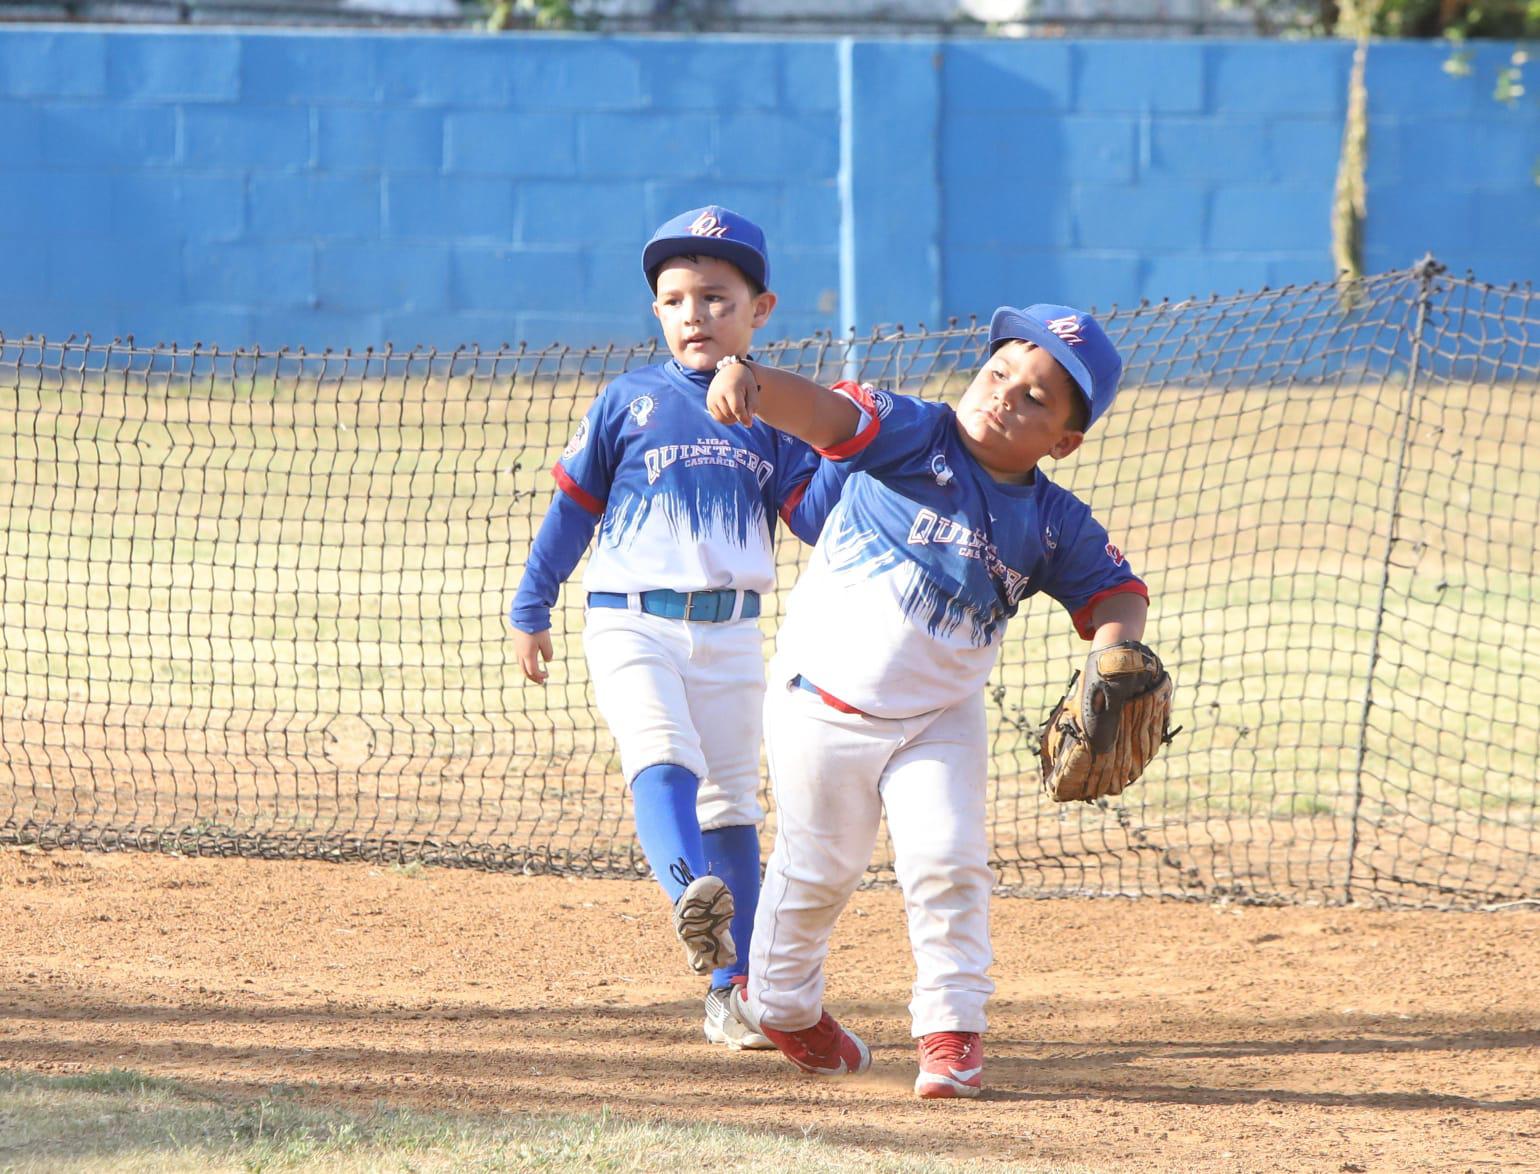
701, 607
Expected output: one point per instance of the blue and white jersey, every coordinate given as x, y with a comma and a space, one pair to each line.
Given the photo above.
924, 560
683, 502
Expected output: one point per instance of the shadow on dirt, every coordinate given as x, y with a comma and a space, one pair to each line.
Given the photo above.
535, 1056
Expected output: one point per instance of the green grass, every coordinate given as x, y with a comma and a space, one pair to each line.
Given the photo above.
121, 1120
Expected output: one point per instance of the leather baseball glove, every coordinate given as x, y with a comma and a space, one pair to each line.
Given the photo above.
1108, 725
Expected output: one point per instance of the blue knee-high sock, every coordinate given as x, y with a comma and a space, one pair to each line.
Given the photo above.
733, 854
667, 827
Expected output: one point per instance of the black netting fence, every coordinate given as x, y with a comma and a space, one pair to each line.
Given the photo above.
253, 602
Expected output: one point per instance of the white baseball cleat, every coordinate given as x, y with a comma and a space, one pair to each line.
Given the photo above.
723, 1027
703, 918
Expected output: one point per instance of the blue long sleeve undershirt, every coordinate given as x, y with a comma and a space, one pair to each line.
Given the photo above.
553, 556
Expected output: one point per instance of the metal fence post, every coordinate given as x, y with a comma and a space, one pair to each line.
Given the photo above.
1425, 272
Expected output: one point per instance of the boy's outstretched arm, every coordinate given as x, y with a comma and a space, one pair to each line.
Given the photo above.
784, 400
1119, 617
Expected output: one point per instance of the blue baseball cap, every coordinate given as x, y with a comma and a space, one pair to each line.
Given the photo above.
1075, 339
712, 231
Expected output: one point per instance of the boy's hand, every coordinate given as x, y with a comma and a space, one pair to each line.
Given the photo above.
532, 649
733, 396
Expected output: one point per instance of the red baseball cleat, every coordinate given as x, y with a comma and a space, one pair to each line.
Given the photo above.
825, 1049
951, 1065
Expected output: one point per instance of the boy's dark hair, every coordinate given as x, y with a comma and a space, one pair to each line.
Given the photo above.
1078, 412
652, 274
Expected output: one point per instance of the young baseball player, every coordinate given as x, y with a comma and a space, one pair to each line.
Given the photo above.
876, 698
685, 509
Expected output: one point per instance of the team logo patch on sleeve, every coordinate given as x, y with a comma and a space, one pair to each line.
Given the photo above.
641, 409
578, 441
1115, 555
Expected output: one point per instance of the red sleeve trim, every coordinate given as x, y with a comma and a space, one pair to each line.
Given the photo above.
846, 449
1082, 618
793, 499
576, 492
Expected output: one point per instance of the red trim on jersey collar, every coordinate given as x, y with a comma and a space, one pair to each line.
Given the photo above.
1082, 618
576, 492
846, 449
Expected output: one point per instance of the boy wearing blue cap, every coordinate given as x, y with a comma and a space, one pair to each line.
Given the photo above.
876, 697
685, 509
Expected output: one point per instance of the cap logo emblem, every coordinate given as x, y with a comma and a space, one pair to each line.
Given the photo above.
707, 225
1067, 328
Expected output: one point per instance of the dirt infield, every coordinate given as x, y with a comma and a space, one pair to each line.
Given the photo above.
1125, 1035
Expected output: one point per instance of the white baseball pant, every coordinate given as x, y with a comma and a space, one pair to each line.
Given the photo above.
690, 694
834, 774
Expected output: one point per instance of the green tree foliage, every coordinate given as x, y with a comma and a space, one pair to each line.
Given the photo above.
1458, 20
530, 14
1502, 20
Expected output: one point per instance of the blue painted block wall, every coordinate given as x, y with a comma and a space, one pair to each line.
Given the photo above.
318, 189
323, 189
1104, 172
